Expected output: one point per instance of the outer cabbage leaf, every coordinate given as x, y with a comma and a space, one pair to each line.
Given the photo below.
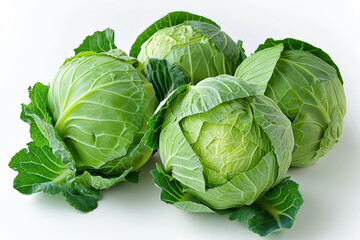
211, 92
198, 61
155, 122
171, 19
243, 189
221, 40
173, 192
41, 129
259, 67
278, 129
37, 165
164, 77
40, 170
295, 44
100, 41
179, 158
274, 211
242, 56
136, 156
97, 181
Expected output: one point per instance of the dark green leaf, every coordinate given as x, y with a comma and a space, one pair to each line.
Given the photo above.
38, 106
242, 56
80, 197
47, 164
37, 165
155, 122
98, 42
41, 129
97, 181
164, 78
294, 44
132, 177
275, 211
40, 170
171, 19
221, 40
173, 192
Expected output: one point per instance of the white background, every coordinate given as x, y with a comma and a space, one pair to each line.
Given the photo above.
36, 37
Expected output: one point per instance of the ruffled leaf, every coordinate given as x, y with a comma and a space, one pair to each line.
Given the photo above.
221, 40
100, 41
294, 44
164, 77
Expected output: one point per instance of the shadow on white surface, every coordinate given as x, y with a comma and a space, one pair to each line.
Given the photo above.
325, 187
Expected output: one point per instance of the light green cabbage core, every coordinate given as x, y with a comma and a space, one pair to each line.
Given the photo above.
165, 40
227, 140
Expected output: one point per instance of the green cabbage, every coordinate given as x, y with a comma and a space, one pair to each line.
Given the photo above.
226, 144
307, 86
100, 105
193, 44
192, 52
225, 149
88, 126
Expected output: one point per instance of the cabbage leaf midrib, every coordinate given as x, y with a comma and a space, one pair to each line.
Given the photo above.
64, 106
72, 82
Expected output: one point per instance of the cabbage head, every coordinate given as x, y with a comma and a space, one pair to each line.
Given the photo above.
100, 106
194, 44
222, 141
88, 126
307, 86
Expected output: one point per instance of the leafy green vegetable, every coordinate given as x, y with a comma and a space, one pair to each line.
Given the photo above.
195, 45
88, 127
222, 144
220, 39
39, 170
274, 211
98, 42
306, 85
165, 78
225, 142
171, 19
294, 44
259, 67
